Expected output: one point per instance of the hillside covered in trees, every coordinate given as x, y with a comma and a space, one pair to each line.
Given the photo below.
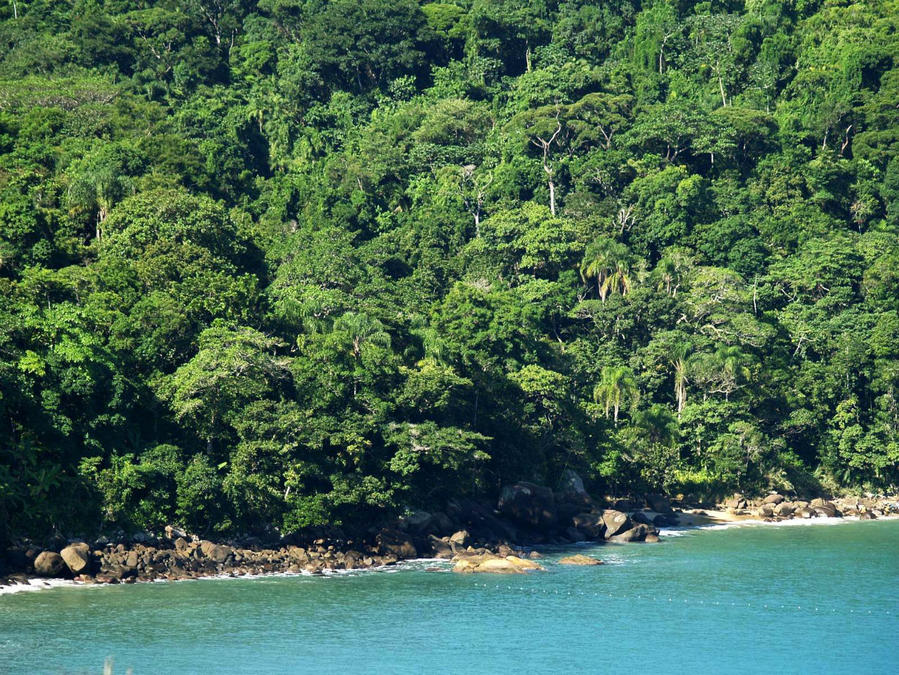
276, 264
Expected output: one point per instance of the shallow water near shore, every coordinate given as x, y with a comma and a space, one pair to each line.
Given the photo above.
752, 598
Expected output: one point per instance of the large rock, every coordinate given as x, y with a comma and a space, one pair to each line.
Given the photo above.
825, 508
392, 542
659, 503
529, 504
215, 552
784, 509
417, 521
765, 510
460, 538
132, 559
77, 557
440, 548
773, 499
590, 524
738, 501
580, 559
572, 489
616, 522
297, 554
493, 564
636, 533
49, 564
640, 517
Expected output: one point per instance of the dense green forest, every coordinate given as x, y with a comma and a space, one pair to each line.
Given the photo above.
272, 264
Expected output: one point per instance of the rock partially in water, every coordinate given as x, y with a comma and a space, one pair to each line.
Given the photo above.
616, 522
494, 564
49, 564
579, 559
636, 533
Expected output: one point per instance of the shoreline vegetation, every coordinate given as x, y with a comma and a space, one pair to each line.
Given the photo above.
476, 537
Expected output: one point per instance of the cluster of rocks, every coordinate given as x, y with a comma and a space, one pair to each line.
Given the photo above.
776, 507
473, 534
186, 559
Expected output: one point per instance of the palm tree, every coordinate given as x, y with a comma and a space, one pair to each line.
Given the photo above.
669, 271
607, 261
678, 360
616, 384
363, 329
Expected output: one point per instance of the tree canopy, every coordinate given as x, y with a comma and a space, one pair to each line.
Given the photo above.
275, 264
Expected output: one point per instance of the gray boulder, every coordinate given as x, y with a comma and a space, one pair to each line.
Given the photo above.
616, 522
773, 499
825, 508
784, 509
766, 510
636, 533
572, 488
76, 557
49, 564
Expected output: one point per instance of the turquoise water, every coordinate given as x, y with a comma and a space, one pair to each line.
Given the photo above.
818, 598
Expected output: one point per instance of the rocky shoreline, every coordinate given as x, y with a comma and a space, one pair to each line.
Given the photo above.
476, 536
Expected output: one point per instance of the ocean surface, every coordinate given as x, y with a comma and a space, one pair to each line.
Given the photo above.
809, 597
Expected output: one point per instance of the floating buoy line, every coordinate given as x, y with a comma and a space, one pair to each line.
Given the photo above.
769, 606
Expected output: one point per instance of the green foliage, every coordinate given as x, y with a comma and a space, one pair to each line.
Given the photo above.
278, 264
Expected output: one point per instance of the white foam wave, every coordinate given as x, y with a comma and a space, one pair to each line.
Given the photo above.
680, 531
38, 585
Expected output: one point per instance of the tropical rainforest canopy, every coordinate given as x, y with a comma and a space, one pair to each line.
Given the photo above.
267, 265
